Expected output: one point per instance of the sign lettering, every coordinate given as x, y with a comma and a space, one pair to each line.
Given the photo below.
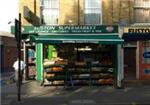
75, 29
137, 30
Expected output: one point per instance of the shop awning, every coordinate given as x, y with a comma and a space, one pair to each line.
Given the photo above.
136, 36
77, 38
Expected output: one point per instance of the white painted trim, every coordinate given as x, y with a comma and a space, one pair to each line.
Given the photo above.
119, 74
24, 57
41, 61
53, 39
80, 34
137, 61
122, 62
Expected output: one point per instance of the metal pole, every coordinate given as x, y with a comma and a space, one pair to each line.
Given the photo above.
19, 56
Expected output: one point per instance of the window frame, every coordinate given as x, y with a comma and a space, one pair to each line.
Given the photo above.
92, 8
51, 9
140, 6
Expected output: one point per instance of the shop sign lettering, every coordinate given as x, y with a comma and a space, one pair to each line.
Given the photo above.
64, 29
75, 29
142, 30
137, 30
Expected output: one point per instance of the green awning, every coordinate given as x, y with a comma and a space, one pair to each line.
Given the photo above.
78, 38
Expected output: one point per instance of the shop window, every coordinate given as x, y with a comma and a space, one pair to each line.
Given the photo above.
92, 11
50, 12
142, 3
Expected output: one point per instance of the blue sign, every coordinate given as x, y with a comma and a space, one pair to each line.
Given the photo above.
146, 54
147, 71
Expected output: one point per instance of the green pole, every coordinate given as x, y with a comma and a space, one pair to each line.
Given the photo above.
50, 52
39, 61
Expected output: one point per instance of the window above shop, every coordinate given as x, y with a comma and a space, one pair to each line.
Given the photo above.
50, 12
142, 9
92, 11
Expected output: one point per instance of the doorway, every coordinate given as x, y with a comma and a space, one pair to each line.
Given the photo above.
130, 63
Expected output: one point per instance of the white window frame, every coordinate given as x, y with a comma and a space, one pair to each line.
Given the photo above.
100, 12
141, 6
44, 9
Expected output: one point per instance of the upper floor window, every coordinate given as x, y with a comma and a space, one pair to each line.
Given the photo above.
50, 12
142, 3
92, 11
142, 11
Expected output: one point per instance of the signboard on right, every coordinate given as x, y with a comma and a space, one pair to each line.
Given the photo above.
136, 33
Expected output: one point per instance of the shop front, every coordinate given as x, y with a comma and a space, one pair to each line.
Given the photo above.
137, 66
77, 55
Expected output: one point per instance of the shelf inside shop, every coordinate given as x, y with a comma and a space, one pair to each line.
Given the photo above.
53, 65
31, 64
54, 83
103, 82
79, 73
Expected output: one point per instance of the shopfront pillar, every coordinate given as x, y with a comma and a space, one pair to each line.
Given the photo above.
119, 66
39, 61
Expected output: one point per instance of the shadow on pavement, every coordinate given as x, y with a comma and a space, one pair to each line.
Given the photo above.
34, 94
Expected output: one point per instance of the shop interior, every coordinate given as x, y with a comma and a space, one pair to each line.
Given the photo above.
31, 62
72, 64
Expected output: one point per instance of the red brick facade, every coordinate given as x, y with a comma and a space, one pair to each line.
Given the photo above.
8, 53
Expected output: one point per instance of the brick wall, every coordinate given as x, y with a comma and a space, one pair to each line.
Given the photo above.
34, 7
113, 11
9, 41
9, 53
71, 12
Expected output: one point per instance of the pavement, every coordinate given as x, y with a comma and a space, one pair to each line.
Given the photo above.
133, 93
7, 78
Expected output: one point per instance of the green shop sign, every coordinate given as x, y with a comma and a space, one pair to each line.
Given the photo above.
62, 29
